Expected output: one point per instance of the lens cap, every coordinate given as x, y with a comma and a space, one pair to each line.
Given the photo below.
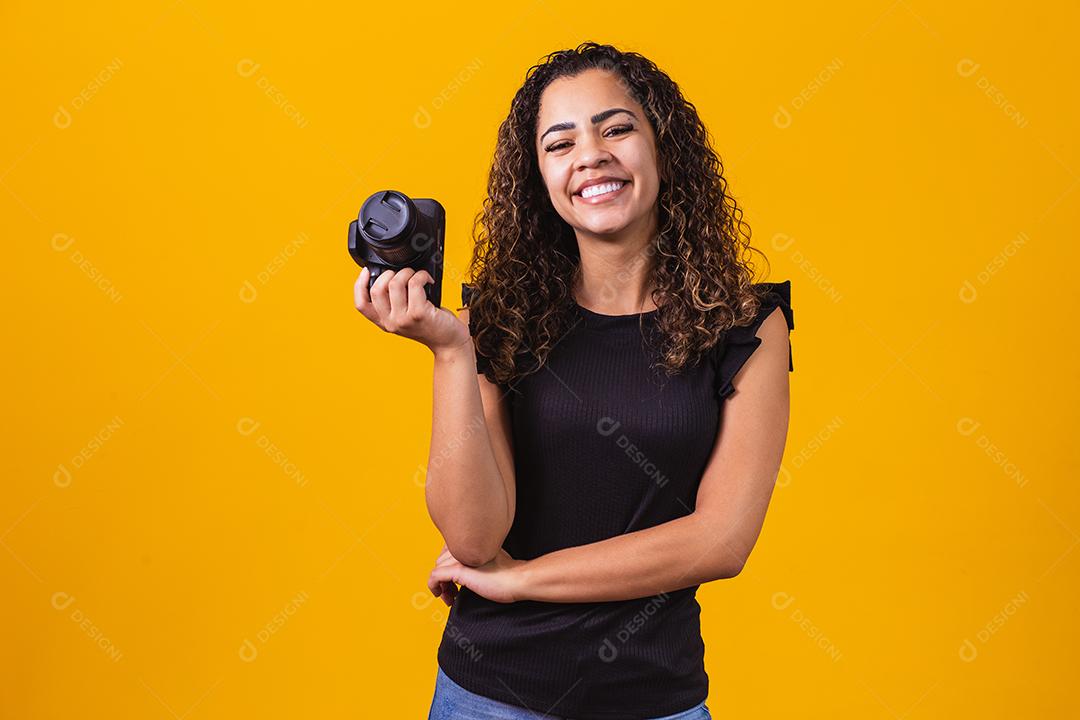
387, 216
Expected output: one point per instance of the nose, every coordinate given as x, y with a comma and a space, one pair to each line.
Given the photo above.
592, 154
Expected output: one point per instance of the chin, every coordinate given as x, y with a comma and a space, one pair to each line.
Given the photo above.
605, 229
605, 226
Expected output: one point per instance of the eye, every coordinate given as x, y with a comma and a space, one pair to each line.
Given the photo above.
610, 132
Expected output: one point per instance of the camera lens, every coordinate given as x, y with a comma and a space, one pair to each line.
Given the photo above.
387, 223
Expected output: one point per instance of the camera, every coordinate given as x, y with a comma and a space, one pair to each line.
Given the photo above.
394, 231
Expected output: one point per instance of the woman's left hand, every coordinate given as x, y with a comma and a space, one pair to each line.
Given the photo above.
498, 580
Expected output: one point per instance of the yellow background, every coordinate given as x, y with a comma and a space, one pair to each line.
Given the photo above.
212, 504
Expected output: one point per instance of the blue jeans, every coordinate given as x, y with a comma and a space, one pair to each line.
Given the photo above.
453, 702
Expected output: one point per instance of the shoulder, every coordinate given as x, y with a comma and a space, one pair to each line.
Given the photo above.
775, 319
774, 328
775, 296
774, 310
770, 328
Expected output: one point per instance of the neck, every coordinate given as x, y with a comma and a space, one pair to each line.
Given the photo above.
615, 273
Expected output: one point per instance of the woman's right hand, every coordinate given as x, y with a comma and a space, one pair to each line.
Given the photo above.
398, 304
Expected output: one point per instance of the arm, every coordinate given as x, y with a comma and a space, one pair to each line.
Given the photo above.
470, 476
715, 540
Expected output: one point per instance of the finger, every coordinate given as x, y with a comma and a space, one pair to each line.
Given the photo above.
440, 588
399, 298
380, 297
446, 552
445, 572
418, 300
362, 296
434, 586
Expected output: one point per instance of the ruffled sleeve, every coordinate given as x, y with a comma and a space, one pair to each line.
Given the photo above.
482, 363
741, 341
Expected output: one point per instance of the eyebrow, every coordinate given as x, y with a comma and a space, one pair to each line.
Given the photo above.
597, 118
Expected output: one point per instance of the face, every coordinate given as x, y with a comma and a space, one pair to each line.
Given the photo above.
590, 129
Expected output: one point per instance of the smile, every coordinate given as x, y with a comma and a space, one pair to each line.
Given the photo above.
602, 193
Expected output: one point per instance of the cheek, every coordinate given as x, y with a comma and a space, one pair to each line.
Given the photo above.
556, 181
649, 171
646, 162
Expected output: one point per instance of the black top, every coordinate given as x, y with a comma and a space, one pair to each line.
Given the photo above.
603, 445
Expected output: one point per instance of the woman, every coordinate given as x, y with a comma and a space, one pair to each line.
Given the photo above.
620, 442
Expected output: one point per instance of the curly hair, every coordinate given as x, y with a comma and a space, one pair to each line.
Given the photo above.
525, 259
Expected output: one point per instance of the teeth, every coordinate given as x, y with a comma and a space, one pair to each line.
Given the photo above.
594, 190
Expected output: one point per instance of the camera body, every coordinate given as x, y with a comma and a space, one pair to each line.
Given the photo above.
394, 231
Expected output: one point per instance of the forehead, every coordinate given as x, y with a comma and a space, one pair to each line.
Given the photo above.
576, 98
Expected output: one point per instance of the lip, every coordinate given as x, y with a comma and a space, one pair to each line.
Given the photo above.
599, 181
605, 197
